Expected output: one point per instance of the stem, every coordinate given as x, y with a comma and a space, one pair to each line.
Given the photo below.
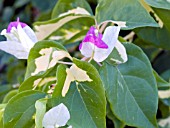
84, 58
129, 36
96, 25
61, 62
99, 64
103, 27
90, 59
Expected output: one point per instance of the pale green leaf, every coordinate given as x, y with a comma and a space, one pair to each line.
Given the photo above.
64, 28
2, 108
40, 106
9, 95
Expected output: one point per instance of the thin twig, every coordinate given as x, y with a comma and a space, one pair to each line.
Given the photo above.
67, 63
103, 27
84, 58
129, 36
96, 25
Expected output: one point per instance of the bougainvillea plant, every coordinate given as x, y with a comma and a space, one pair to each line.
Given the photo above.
80, 71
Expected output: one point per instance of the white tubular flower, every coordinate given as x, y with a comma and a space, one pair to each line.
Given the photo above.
20, 39
56, 117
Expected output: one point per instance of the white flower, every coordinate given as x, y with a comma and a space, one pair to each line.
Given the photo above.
56, 117
20, 39
98, 47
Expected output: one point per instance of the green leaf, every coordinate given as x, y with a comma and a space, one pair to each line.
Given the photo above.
63, 6
129, 11
9, 95
70, 28
131, 89
118, 55
4, 89
164, 4
38, 81
166, 75
40, 106
116, 121
164, 109
85, 100
34, 54
39, 73
20, 109
158, 37
161, 83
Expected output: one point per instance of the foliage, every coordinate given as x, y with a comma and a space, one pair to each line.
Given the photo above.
118, 92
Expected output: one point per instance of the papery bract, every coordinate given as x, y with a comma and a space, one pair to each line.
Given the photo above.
56, 117
20, 39
98, 46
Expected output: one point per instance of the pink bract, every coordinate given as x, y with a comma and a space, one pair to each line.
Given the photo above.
15, 24
96, 39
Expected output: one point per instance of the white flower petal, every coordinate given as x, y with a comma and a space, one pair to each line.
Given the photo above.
122, 51
14, 48
57, 116
23, 37
3, 32
30, 33
87, 49
50, 126
100, 54
9, 36
110, 37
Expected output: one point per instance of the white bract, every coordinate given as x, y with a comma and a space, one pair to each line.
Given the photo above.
20, 39
98, 47
56, 117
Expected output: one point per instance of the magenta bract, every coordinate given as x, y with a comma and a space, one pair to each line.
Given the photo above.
94, 38
15, 24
